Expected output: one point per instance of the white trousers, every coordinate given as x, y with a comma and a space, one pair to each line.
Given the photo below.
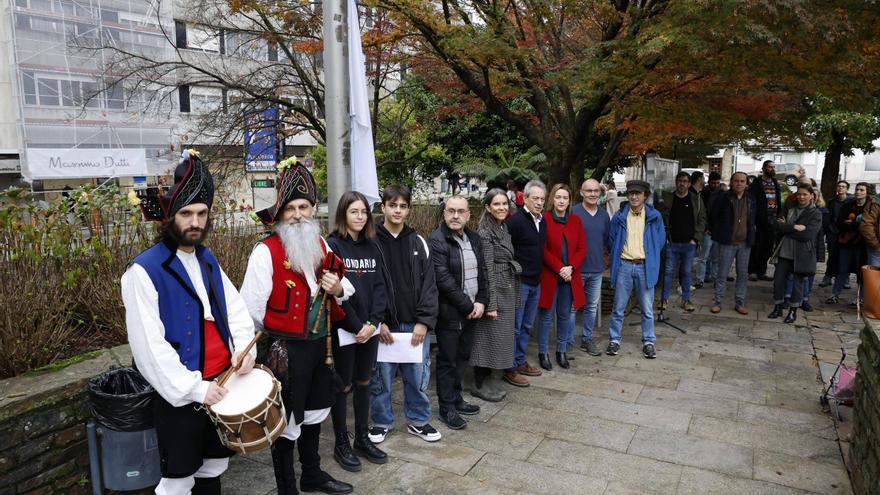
310, 417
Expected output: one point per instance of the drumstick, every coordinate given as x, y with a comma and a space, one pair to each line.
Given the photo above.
228, 373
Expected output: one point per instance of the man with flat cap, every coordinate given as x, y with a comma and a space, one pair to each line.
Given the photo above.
292, 281
185, 320
636, 238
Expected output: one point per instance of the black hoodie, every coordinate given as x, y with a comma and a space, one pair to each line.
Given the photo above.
363, 268
412, 293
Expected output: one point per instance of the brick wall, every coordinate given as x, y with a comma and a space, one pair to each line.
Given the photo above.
865, 449
43, 446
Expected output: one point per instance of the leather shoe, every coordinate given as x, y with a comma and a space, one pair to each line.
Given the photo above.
331, 486
343, 454
363, 446
776, 313
742, 310
562, 360
715, 309
791, 317
515, 379
528, 370
544, 361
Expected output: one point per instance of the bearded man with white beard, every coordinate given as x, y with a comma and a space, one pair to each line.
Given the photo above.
284, 275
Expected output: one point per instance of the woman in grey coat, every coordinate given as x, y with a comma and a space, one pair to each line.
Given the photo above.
796, 253
494, 332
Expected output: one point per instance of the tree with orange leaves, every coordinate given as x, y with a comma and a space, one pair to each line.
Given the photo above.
586, 80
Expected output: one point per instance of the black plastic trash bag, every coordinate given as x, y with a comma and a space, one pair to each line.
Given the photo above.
121, 399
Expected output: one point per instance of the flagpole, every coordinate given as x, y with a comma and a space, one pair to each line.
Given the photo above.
336, 103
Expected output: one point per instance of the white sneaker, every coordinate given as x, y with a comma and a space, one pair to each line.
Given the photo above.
426, 432
377, 434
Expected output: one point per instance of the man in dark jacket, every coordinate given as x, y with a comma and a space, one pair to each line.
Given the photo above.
831, 233
412, 308
528, 233
462, 284
768, 205
732, 218
685, 217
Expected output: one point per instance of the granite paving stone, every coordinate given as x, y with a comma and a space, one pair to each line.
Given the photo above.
637, 414
800, 473
533, 478
689, 402
689, 450
696, 481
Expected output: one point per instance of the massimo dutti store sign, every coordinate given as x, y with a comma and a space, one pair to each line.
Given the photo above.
59, 163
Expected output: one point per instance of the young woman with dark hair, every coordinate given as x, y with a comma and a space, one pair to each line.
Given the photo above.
353, 241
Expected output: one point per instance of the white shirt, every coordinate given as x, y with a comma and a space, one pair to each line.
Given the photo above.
156, 359
257, 285
536, 218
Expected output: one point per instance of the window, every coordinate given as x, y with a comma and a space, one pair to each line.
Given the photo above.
245, 45
180, 33
48, 91
205, 100
202, 38
183, 95
109, 15
29, 87
115, 96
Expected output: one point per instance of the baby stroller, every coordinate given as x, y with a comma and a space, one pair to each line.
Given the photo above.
842, 389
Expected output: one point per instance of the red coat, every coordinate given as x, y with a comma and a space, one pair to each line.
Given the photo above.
577, 251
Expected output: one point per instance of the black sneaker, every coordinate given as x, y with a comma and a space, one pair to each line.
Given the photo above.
698, 285
467, 408
832, 300
453, 420
613, 348
806, 306
590, 348
648, 351
425, 432
377, 434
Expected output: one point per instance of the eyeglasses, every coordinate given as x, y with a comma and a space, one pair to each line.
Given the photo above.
460, 212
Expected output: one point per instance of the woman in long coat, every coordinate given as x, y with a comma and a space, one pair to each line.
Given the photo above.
494, 332
796, 253
562, 291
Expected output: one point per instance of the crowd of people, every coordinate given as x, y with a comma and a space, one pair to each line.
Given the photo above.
535, 257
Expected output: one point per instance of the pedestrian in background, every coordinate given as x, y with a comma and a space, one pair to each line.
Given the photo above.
831, 233
767, 194
796, 253
685, 219
612, 201
820, 245
636, 238
561, 287
850, 243
596, 224
733, 225
707, 251
494, 332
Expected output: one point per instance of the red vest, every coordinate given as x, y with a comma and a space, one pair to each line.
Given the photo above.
287, 308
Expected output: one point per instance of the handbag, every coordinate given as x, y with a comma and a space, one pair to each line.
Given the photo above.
871, 288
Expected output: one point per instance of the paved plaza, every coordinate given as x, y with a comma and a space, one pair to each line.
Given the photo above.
729, 407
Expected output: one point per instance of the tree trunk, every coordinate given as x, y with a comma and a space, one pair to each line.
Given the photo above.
558, 172
831, 172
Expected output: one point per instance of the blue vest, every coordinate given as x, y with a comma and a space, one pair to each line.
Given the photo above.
180, 308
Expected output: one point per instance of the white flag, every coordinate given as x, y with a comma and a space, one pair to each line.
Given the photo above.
363, 156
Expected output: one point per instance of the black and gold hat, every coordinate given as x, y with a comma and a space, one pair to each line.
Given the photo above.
294, 182
192, 184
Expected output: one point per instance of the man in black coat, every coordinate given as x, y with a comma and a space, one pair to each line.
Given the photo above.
462, 284
831, 232
768, 205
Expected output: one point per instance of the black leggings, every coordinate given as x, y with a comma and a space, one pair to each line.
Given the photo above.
353, 362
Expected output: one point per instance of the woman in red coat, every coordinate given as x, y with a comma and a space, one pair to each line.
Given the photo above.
561, 287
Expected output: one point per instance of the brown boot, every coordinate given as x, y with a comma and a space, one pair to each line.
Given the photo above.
516, 379
528, 370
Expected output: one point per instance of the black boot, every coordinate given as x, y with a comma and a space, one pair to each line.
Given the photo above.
313, 478
206, 486
791, 317
544, 361
362, 443
344, 455
562, 360
282, 462
776, 313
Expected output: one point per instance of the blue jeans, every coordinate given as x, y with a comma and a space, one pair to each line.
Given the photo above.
846, 257
632, 276
707, 259
525, 316
561, 307
727, 253
593, 293
873, 257
415, 376
681, 254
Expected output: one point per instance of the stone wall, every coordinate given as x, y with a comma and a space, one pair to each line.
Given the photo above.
43, 447
865, 451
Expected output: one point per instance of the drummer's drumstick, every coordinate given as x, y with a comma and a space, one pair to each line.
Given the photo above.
228, 373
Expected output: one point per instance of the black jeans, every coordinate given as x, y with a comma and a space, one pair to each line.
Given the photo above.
453, 354
783, 267
765, 238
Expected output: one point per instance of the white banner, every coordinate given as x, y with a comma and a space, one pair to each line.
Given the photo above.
50, 163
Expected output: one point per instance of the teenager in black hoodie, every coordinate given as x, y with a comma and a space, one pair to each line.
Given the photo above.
353, 240
412, 308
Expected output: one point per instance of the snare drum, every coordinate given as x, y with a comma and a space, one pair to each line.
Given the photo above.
251, 415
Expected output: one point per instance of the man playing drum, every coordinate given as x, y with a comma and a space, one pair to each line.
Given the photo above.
282, 289
185, 320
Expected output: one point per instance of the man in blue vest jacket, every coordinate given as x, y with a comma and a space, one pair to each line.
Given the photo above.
185, 321
636, 238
